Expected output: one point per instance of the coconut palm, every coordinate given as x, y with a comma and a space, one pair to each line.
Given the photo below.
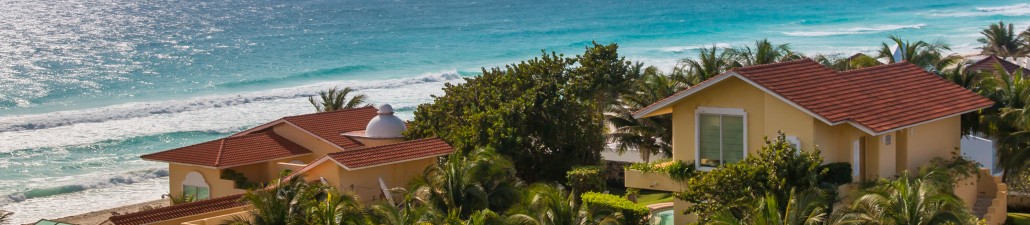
5, 217
709, 63
839, 63
480, 180
924, 199
336, 99
282, 204
803, 208
1008, 121
550, 205
332, 208
968, 80
406, 214
651, 135
764, 52
1002, 41
487, 217
929, 55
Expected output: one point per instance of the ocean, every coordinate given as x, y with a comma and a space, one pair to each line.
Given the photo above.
88, 86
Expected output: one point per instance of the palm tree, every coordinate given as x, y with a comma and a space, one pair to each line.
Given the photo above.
467, 183
804, 208
1008, 121
764, 52
336, 99
651, 135
929, 55
970, 81
406, 214
334, 208
1002, 41
550, 205
839, 63
282, 204
709, 63
5, 217
921, 200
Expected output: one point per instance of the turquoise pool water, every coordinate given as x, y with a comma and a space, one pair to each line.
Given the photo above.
662, 217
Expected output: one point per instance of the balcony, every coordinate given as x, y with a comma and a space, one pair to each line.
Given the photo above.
658, 176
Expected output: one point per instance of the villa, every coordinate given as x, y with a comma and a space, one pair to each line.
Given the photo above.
882, 120
359, 150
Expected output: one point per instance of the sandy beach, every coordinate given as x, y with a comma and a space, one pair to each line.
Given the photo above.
99, 216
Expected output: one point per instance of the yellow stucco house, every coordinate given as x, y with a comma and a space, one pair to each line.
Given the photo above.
357, 150
882, 120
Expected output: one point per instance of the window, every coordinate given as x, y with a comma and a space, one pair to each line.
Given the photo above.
198, 193
721, 136
887, 139
195, 185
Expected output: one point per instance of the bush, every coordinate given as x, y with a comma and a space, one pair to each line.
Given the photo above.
632, 213
838, 173
240, 181
585, 179
677, 170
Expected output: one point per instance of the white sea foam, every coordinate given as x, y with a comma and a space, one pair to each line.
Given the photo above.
680, 49
115, 195
213, 114
855, 30
1021, 9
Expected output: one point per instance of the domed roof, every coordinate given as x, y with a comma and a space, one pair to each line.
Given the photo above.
385, 125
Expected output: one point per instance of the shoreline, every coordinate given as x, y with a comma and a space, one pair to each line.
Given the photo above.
100, 216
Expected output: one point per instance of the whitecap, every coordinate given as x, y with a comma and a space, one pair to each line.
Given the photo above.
855, 30
680, 49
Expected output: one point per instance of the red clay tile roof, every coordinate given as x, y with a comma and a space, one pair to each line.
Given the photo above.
330, 125
385, 154
987, 65
879, 98
232, 151
178, 211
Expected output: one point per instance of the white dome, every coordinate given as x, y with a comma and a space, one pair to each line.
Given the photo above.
385, 125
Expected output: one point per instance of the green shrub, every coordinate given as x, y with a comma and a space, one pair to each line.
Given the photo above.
677, 170
632, 213
240, 181
838, 173
585, 179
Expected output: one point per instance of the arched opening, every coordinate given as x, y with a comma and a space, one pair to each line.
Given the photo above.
196, 186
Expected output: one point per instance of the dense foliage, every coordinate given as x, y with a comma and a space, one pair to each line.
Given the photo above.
774, 170
535, 112
838, 173
632, 213
677, 170
586, 179
467, 183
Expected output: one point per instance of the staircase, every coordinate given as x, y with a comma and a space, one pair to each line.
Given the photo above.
981, 205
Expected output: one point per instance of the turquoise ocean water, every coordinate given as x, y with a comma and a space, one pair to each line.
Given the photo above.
87, 87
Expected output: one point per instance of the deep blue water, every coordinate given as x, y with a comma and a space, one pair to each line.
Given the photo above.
86, 87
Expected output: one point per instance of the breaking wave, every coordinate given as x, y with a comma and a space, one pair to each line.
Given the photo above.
99, 181
855, 30
681, 49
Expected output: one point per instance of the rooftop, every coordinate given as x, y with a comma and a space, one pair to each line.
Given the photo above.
391, 153
232, 151
179, 211
987, 65
875, 99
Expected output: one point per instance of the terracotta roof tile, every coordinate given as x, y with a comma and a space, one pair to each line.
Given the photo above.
383, 154
232, 151
178, 211
879, 98
987, 65
330, 125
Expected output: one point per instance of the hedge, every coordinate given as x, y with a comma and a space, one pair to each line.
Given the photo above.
837, 173
632, 213
585, 179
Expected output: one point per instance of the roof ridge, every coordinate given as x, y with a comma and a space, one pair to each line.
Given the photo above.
221, 150
363, 148
759, 66
902, 63
328, 112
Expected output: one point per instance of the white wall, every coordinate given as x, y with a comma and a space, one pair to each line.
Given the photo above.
980, 150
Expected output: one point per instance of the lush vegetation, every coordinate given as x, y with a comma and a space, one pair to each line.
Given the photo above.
632, 213
586, 179
1018, 219
336, 99
677, 170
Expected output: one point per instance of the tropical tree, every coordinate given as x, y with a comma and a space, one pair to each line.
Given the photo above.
651, 135
808, 207
480, 180
282, 204
764, 52
330, 207
929, 55
550, 205
1003, 41
5, 217
923, 199
1008, 120
408, 213
969, 80
709, 63
336, 99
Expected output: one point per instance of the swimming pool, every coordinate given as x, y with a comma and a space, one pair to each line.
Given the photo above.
662, 216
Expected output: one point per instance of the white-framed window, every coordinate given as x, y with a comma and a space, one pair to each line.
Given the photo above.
721, 136
195, 185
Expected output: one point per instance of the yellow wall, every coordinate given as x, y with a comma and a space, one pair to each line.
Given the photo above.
365, 182
935, 139
730, 93
302, 138
219, 188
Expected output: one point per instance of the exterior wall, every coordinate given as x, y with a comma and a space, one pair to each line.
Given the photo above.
365, 182
966, 189
219, 188
730, 93
779, 116
940, 138
306, 140
993, 188
651, 181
